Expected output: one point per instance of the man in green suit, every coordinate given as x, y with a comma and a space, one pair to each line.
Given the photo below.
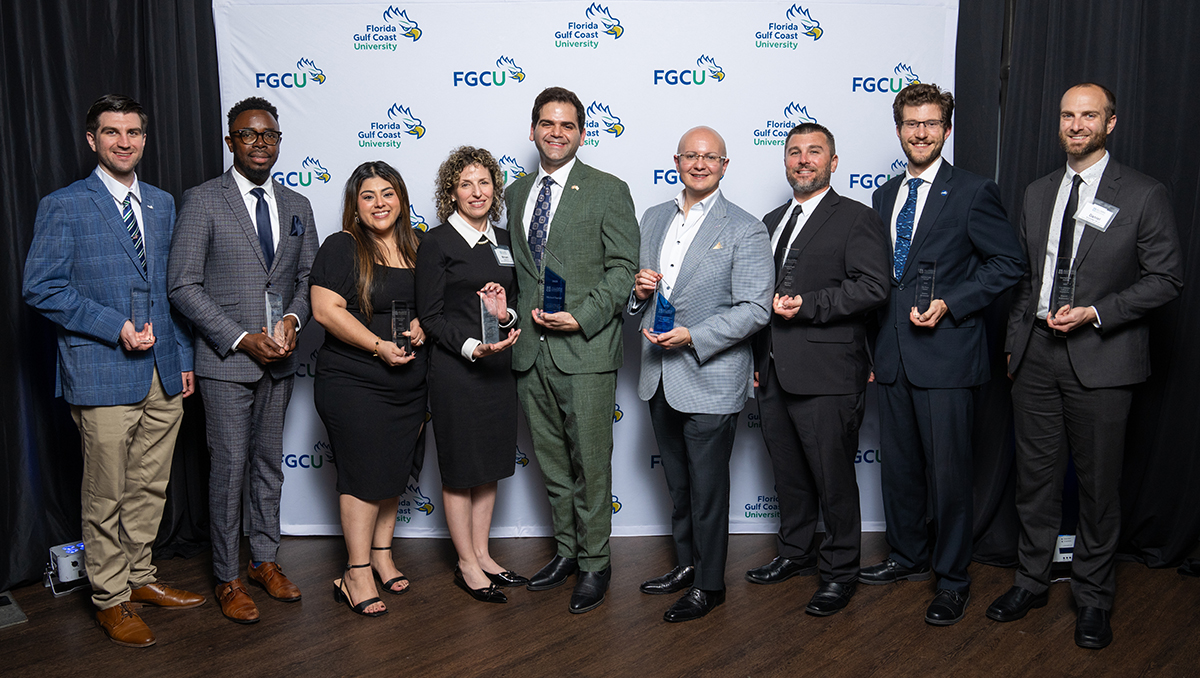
580, 223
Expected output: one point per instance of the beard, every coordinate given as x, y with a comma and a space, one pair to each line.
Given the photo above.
257, 176
819, 181
1093, 143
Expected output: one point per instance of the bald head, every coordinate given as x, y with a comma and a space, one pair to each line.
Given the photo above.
701, 163
708, 134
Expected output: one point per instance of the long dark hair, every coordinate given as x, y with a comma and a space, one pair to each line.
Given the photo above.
369, 253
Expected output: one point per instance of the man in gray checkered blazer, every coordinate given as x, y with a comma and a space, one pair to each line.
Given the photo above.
711, 261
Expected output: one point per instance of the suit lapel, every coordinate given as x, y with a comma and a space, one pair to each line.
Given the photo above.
939, 192
660, 222
1105, 192
288, 211
237, 207
705, 240
112, 217
1038, 233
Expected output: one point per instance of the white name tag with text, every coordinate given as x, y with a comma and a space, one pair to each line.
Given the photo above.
1097, 214
504, 256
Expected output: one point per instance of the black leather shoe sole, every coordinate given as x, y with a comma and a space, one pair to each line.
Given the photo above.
671, 582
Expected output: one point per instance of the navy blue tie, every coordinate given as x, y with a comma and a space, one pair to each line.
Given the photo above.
539, 223
262, 214
904, 227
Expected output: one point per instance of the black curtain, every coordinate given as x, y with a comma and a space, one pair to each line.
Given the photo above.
59, 56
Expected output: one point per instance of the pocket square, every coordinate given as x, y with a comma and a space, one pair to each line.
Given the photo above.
718, 246
297, 225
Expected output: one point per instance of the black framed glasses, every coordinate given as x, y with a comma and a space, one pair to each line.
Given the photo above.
250, 137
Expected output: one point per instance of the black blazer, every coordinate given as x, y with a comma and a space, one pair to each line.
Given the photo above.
964, 229
1132, 267
842, 260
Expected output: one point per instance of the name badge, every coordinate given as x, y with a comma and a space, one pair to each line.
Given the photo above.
1097, 214
504, 256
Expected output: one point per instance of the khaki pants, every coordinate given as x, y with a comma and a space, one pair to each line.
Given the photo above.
127, 451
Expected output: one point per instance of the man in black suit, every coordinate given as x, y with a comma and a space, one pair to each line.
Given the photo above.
812, 363
1103, 252
952, 238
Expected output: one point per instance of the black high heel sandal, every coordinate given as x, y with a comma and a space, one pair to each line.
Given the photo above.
342, 595
387, 585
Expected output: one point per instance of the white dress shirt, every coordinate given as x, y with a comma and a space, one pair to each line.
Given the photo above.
1087, 193
119, 191
471, 237
927, 178
556, 190
809, 206
680, 234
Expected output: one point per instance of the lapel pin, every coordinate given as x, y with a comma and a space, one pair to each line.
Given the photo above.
574, 187
945, 192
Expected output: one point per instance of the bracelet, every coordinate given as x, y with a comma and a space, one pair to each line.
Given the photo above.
375, 354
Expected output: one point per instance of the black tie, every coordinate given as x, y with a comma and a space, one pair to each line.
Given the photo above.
785, 239
262, 214
1066, 236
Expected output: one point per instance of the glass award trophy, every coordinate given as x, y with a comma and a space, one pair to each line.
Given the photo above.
489, 318
139, 306
402, 316
1064, 286
554, 286
274, 319
925, 273
664, 313
788, 282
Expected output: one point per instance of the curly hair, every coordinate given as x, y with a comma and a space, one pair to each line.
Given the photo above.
368, 252
451, 171
919, 94
251, 104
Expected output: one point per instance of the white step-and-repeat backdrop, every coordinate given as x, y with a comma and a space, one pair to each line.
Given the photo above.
408, 82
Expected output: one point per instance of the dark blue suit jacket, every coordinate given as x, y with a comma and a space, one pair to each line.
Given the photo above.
79, 273
964, 229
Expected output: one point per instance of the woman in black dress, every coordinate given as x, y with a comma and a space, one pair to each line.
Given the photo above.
472, 391
369, 391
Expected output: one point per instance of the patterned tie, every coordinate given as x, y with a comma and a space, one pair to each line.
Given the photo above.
262, 214
540, 222
132, 226
781, 248
904, 227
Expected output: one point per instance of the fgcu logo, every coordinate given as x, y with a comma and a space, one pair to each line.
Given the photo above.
706, 68
419, 503
310, 169
419, 223
787, 35
308, 369
902, 76
601, 119
305, 70
774, 132
507, 69
617, 413
868, 457
401, 123
511, 168
586, 34
521, 460
396, 25
763, 507
616, 504
870, 181
321, 453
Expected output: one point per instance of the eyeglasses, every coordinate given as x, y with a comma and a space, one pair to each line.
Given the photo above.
249, 137
690, 158
931, 125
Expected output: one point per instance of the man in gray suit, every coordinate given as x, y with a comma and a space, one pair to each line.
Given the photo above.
245, 243
707, 262
1103, 252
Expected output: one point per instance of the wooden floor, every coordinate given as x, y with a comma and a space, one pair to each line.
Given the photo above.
436, 630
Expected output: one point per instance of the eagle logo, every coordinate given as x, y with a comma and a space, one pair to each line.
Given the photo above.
899, 167
797, 114
514, 71
612, 124
512, 169
611, 25
403, 115
309, 67
313, 165
616, 504
522, 460
410, 29
323, 449
811, 26
418, 222
420, 501
905, 72
713, 69
617, 413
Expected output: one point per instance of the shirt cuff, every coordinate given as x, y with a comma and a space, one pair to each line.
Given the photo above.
512, 320
238, 341
298, 323
1096, 324
468, 348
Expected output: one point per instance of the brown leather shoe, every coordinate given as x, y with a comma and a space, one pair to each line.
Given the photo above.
163, 595
123, 626
236, 603
271, 578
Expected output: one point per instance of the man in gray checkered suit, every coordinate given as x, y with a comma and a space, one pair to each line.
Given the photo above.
241, 239
709, 261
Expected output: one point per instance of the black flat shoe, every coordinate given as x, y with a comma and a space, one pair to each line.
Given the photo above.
1016, 603
387, 585
342, 595
948, 607
693, 605
781, 569
672, 582
1092, 630
554, 574
830, 597
507, 578
491, 594
590, 588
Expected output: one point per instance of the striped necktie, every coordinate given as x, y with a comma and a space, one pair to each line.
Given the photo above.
131, 225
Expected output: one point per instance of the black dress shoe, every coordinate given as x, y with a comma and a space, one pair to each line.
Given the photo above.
781, 569
890, 572
1016, 603
830, 597
590, 588
948, 607
507, 578
694, 604
1091, 628
672, 582
490, 594
555, 573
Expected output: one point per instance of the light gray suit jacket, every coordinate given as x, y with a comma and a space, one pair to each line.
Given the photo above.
722, 295
218, 276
